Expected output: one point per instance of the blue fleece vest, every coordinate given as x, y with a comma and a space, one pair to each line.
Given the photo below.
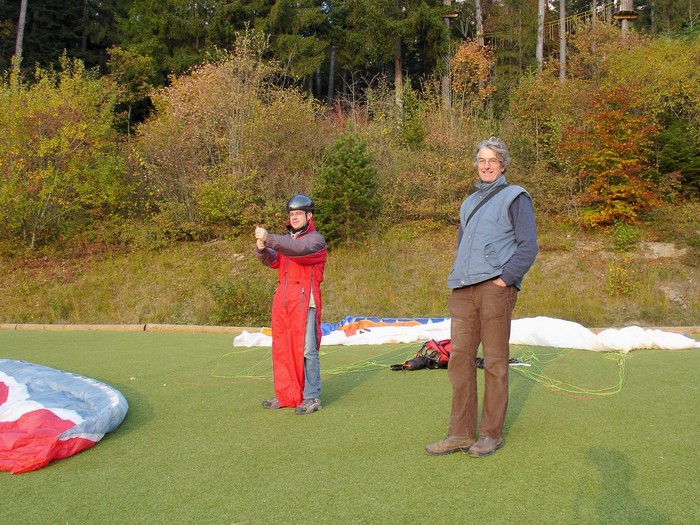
488, 242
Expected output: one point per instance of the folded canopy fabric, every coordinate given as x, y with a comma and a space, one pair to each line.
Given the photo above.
48, 414
537, 331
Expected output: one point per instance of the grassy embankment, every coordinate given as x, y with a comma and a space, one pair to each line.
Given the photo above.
578, 276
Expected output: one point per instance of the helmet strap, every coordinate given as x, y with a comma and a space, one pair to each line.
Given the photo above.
297, 232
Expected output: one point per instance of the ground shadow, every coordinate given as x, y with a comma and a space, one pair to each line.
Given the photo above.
336, 385
518, 393
139, 413
617, 502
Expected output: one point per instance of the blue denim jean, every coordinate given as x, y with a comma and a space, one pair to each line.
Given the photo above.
312, 364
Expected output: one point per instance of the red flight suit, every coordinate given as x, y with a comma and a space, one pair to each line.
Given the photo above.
300, 261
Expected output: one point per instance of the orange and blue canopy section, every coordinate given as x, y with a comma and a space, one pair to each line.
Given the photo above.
48, 414
353, 323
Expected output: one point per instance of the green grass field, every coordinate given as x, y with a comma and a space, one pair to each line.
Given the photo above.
196, 446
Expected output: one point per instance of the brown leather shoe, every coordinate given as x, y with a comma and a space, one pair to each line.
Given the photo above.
449, 445
486, 446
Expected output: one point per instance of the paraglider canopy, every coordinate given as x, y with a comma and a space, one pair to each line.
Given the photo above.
48, 414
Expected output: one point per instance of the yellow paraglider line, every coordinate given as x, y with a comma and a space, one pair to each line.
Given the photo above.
531, 367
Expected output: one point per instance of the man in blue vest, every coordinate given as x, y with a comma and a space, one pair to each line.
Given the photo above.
496, 246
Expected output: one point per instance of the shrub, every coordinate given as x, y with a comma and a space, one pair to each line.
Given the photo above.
610, 151
241, 302
471, 68
345, 194
224, 141
625, 236
621, 278
60, 167
680, 154
413, 130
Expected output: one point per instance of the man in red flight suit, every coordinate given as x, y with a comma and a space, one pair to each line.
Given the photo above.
299, 258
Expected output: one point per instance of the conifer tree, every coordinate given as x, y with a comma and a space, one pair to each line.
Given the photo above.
346, 192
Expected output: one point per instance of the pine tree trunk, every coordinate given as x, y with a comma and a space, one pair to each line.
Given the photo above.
20, 31
539, 52
479, 23
445, 81
331, 76
398, 75
562, 40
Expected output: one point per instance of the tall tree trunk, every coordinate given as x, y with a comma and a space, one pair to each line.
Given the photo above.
331, 76
562, 40
479, 23
539, 52
20, 32
86, 23
319, 83
445, 81
398, 74
624, 8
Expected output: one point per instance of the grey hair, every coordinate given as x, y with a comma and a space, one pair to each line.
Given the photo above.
496, 145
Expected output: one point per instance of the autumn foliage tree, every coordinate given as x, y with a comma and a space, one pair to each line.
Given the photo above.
471, 68
667, 75
611, 152
622, 125
225, 145
60, 167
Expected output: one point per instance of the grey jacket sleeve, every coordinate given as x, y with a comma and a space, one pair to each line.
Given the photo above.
522, 217
304, 245
266, 256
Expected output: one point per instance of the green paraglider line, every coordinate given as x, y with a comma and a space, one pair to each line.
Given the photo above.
529, 365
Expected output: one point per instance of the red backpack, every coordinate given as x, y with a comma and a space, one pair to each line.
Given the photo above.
433, 354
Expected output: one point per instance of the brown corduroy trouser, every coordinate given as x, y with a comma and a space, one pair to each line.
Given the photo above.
480, 313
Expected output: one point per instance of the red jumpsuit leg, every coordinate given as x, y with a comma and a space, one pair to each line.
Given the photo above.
288, 327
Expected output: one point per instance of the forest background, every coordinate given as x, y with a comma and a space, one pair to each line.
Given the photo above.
142, 141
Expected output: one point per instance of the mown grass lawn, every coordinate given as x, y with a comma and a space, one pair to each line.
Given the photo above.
196, 447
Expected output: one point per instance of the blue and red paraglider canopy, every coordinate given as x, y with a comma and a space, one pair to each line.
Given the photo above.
48, 414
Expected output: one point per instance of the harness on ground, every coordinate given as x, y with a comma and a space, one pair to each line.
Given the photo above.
436, 354
433, 354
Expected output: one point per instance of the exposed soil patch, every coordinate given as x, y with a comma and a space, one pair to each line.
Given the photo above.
657, 250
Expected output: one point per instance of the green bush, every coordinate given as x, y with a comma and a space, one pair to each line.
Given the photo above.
223, 142
679, 154
413, 129
60, 165
241, 303
625, 236
346, 191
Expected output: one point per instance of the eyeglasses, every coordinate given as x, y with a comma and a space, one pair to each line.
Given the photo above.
490, 162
